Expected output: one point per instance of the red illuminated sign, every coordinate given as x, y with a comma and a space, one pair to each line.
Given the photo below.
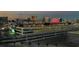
55, 21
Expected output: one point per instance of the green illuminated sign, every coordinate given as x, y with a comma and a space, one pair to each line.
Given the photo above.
12, 31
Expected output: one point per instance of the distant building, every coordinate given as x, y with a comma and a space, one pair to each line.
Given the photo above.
46, 20
34, 18
3, 20
77, 20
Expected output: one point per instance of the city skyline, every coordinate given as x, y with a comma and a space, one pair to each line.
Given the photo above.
40, 14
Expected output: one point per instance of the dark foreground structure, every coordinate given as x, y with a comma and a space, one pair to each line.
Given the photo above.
46, 39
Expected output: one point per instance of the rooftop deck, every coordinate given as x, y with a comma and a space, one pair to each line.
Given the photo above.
54, 35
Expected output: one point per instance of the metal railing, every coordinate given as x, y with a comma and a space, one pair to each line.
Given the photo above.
49, 37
